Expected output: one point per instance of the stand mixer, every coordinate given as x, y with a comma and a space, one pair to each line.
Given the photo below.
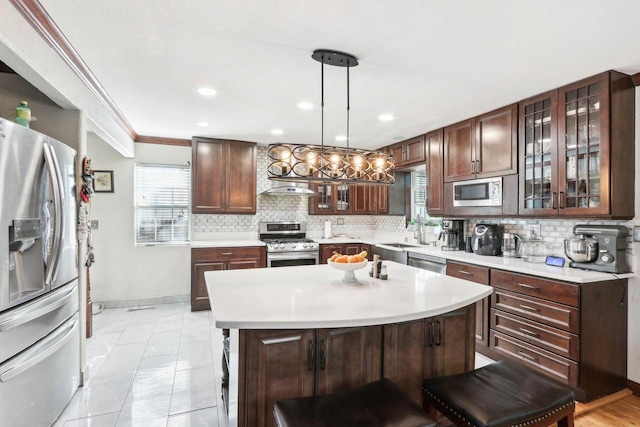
598, 247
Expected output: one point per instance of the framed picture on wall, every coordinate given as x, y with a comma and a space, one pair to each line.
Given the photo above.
103, 181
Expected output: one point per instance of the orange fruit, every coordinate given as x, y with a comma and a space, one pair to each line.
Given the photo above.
342, 259
334, 256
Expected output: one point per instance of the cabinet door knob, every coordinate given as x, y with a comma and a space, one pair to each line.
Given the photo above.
473, 166
477, 167
553, 200
439, 333
323, 354
561, 200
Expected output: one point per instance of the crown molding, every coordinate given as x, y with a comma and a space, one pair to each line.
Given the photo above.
636, 79
163, 141
35, 14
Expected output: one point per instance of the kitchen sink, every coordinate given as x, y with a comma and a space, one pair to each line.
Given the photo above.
399, 245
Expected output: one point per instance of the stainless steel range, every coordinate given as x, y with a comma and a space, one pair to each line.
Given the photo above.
287, 244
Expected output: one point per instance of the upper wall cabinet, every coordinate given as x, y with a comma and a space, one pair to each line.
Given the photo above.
435, 157
223, 176
409, 152
482, 147
577, 146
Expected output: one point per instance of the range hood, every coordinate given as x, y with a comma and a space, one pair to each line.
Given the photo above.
281, 188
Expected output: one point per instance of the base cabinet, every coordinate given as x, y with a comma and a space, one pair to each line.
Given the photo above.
296, 363
326, 250
440, 345
211, 259
574, 333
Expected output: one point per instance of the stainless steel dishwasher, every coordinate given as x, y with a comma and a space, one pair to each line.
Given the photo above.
428, 262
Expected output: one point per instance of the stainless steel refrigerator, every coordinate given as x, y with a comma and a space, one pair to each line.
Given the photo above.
39, 326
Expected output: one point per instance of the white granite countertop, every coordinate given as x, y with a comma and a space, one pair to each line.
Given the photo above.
315, 297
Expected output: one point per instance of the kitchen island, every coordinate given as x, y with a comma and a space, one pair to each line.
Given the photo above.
300, 331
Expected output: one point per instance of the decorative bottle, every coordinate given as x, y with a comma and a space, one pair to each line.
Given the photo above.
23, 114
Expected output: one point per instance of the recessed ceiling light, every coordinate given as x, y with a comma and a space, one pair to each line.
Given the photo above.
277, 131
203, 124
385, 117
305, 105
206, 91
341, 138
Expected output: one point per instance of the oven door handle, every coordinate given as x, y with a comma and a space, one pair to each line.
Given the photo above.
292, 255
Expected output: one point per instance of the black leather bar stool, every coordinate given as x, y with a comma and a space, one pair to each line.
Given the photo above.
376, 404
501, 394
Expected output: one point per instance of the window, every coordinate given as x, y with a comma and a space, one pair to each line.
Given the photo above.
419, 194
162, 200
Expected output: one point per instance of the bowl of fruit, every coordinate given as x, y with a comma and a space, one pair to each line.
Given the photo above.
348, 264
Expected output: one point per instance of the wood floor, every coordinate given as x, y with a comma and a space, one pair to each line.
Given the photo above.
621, 413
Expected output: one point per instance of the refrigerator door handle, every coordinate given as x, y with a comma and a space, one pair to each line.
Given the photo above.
40, 351
46, 305
54, 174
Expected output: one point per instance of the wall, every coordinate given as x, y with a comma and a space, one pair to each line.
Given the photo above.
123, 270
633, 358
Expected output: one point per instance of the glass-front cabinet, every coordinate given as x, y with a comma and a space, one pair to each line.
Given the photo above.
584, 146
331, 199
576, 148
538, 164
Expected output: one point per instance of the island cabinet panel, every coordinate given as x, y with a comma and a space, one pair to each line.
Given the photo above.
480, 275
278, 364
223, 176
347, 358
425, 348
209, 259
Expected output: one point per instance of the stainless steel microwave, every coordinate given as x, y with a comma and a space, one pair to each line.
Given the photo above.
478, 192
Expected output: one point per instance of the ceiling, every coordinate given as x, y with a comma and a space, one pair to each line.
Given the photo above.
428, 63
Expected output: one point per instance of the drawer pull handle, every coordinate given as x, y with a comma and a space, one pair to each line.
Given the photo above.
528, 332
526, 307
227, 253
524, 285
468, 273
526, 356
312, 355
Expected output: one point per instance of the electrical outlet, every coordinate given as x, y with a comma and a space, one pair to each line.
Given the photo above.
533, 232
340, 221
95, 224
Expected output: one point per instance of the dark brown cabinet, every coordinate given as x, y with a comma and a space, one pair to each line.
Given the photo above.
574, 333
295, 363
480, 275
575, 143
210, 259
326, 250
425, 348
409, 152
482, 147
331, 199
223, 176
435, 185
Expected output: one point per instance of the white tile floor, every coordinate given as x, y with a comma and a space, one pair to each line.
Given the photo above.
153, 367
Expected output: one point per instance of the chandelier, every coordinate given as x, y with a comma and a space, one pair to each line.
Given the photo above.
326, 164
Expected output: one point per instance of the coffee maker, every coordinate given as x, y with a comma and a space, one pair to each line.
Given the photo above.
598, 248
452, 235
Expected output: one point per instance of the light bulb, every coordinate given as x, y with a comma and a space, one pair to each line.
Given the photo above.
335, 158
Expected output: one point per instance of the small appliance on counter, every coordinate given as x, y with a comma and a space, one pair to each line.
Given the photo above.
486, 240
598, 247
452, 235
535, 250
511, 245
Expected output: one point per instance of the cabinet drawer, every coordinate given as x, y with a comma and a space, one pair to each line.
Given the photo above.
226, 253
549, 313
472, 273
561, 292
560, 342
554, 366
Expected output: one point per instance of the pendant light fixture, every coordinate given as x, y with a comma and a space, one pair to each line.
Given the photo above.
327, 164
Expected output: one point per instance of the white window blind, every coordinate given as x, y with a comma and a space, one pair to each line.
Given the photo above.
162, 202
419, 194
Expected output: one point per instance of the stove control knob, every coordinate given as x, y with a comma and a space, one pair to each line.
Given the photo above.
293, 246
607, 258
304, 245
281, 245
